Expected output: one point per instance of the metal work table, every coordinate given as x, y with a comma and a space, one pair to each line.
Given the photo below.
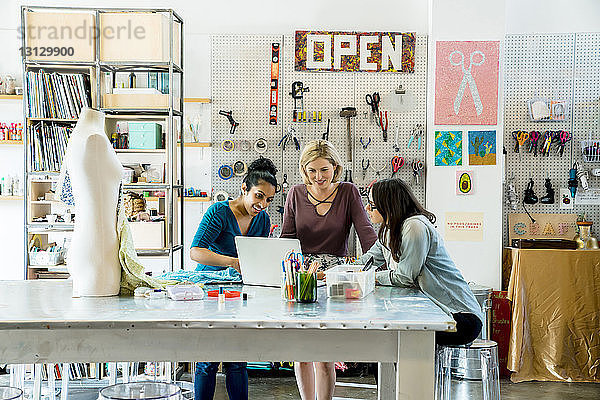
40, 322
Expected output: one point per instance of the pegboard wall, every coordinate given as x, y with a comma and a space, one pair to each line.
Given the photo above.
240, 76
557, 67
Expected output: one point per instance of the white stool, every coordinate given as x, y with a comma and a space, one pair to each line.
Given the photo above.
10, 393
141, 390
488, 355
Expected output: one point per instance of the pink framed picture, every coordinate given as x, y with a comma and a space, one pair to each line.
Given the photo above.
466, 83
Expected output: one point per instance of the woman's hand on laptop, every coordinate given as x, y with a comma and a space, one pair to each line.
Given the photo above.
321, 275
235, 264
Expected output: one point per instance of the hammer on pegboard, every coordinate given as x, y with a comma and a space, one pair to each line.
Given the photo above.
348, 112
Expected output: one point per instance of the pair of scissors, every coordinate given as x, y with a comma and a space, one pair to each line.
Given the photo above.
373, 100
467, 79
534, 137
397, 163
417, 166
521, 137
290, 136
384, 126
547, 143
563, 137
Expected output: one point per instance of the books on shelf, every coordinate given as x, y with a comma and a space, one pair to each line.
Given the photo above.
57, 95
47, 145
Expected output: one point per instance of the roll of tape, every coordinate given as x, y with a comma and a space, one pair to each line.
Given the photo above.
221, 195
225, 172
240, 168
245, 145
227, 145
260, 145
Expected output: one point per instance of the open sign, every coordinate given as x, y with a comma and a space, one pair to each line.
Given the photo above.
355, 51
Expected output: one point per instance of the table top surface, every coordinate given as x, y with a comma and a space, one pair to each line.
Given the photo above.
49, 304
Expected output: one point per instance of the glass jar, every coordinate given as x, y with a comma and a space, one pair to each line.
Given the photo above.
306, 287
584, 239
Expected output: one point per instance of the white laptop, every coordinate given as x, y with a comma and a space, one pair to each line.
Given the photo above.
260, 258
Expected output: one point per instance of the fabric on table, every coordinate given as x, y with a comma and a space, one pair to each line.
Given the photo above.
206, 277
555, 333
132, 270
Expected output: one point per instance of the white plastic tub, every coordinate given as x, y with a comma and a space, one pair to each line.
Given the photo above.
349, 282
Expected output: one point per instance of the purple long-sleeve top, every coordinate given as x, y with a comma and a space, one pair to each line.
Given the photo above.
327, 234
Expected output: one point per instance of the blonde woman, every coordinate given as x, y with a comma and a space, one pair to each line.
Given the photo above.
320, 213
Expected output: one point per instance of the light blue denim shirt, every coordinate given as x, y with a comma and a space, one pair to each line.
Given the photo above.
424, 263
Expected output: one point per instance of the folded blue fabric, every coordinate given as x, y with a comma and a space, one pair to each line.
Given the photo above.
206, 277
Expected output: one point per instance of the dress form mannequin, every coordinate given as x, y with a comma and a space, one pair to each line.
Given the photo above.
95, 174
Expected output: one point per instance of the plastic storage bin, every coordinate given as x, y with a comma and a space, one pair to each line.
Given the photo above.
349, 282
44, 258
145, 135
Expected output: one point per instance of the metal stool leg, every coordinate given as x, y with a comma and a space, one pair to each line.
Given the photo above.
489, 374
51, 382
64, 384
112, 373
37, 381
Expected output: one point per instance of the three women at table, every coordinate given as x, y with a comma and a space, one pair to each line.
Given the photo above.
415, 254
213, 247
320, 213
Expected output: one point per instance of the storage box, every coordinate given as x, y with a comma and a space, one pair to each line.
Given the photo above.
46, 258
72, 34
349, 281
143, 37
148, 235
136, 101
145, 135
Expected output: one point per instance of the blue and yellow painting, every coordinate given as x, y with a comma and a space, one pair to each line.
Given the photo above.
448, 148
482, 147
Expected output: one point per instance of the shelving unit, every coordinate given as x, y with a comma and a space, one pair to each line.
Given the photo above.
100, 60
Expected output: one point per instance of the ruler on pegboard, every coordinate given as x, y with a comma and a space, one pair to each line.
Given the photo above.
274, 95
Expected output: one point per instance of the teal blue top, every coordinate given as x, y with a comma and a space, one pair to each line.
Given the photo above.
218, 229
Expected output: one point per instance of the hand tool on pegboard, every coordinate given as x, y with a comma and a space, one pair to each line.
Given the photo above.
229, 115
297, 93
365, 164
348, 112
373, 100
274, 90
417, 167
563, 137
290, 136
326, 133
397, 163
383, 123
521, 137
365, 143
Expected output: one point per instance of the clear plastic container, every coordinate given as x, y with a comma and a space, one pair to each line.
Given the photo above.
141, 390
10, 393
349, 281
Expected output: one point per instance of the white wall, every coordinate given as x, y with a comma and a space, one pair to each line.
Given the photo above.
478, 261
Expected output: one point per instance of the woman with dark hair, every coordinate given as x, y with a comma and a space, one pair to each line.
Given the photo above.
214, 249
416, 257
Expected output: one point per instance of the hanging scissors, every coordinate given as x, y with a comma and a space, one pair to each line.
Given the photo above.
467, 79
373, 100
417, 166
397, 163
534, 137
563, 137
547, 143
520, 137
384, 126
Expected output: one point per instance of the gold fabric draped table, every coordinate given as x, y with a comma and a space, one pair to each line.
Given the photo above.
555, 334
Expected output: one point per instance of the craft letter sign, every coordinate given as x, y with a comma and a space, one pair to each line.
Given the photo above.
355, 51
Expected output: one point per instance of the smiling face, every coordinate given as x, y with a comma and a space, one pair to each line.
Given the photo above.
371, 209
320, 173
258, 197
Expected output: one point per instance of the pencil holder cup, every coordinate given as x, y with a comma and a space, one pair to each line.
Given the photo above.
306, 287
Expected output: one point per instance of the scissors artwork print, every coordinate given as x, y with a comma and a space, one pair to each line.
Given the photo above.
467, 78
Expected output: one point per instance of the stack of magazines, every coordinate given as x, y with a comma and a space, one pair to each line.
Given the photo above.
55, 95
48, 145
